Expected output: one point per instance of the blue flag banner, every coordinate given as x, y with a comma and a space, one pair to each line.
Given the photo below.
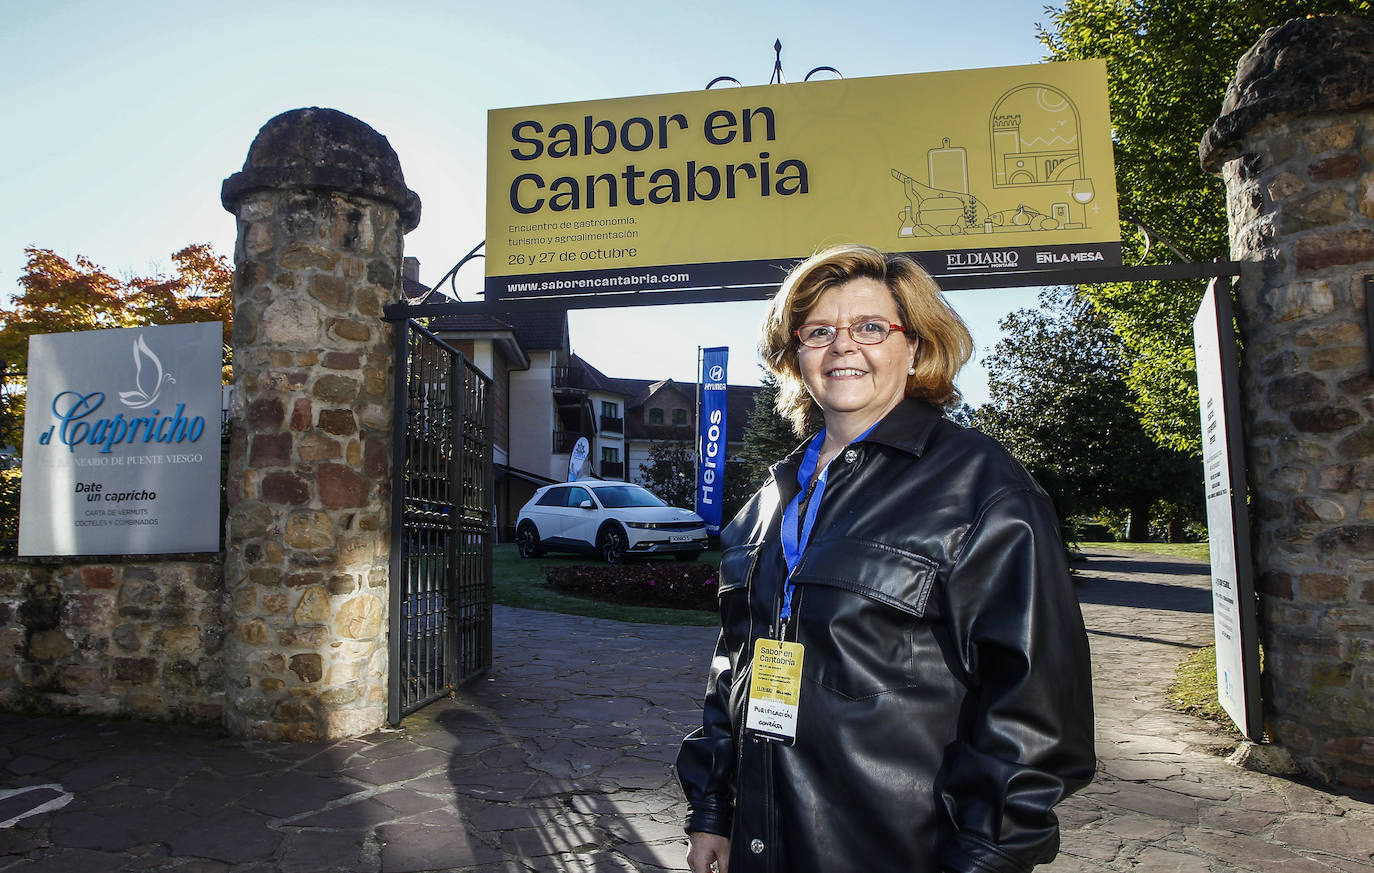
711, 438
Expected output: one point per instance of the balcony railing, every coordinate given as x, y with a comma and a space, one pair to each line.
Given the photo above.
563, 442
612, 425
612, 469
571, 377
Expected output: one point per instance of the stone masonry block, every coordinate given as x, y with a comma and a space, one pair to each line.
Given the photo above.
341, 487
1285, 185
318, 447
308, 667
271, 450
339, 422
313, 607
1323, 208
337, 389
309, 530
137, 671
1302, 300
301, 414
1286, 392
285, 488
350, 330
1334, 249
1335, 167
1328, 137
342, 361
266, 413
1327, 419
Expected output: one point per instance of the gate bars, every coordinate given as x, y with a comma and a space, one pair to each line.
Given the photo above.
442, 522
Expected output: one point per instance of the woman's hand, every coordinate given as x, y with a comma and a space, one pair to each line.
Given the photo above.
708, 852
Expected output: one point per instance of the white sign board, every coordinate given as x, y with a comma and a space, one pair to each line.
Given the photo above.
122, 442
1228, 522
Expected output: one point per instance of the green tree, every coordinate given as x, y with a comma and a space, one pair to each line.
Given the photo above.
670, 473
768, 437
1168, 63
1060, 405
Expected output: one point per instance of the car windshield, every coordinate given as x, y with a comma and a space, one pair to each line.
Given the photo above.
622, 496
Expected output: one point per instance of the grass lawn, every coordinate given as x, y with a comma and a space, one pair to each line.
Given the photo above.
518, 581
1196, 551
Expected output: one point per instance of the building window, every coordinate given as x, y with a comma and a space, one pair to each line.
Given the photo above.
655, 416
679, 416
609, 410
610, 456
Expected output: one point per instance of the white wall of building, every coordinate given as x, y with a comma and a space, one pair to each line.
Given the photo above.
531, 441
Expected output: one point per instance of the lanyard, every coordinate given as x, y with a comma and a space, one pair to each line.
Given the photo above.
794, 541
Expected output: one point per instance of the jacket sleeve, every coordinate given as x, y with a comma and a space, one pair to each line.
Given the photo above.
706, 761
1027, 742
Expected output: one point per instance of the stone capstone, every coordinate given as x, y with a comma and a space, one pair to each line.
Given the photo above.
323, 149
1307, 66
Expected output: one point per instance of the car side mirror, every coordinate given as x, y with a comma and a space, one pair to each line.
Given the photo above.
586, 504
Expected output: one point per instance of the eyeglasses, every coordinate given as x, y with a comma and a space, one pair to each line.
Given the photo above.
869, 332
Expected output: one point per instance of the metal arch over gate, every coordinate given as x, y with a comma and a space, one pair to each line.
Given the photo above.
441, 520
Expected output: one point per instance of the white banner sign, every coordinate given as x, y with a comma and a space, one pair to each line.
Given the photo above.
122, 442
1228, 524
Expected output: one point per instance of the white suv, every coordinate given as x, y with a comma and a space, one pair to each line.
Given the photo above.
612, 519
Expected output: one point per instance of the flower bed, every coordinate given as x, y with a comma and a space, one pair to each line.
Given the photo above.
679, 586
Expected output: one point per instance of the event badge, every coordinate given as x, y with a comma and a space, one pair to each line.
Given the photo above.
775, 689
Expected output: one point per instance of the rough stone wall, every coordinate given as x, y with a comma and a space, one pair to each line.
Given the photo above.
1295, 145
319, 254
141, 638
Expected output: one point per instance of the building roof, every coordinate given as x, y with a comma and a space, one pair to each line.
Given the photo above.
534, 330
739, 402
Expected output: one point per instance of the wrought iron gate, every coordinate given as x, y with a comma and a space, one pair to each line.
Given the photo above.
442, 522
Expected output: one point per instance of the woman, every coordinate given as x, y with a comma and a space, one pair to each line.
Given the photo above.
902, 678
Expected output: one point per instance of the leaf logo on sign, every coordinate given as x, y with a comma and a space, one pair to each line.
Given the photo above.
148, 377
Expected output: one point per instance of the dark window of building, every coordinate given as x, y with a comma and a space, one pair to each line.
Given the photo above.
679, 416
655, 416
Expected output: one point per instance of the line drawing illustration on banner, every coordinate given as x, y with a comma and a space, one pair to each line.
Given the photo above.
1035, 144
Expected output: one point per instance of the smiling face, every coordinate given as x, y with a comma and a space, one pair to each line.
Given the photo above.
855, 385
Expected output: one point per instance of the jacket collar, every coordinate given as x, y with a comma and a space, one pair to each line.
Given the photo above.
908, 428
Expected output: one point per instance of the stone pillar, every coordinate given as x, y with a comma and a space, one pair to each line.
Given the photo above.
1295, 144
322, 209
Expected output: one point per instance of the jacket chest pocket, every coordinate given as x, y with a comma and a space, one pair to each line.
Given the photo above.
861, 608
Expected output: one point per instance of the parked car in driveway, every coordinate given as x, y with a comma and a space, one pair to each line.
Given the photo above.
612, 519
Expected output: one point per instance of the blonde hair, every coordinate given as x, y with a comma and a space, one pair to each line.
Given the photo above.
945, 344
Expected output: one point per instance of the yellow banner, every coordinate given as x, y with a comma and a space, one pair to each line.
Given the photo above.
978, 171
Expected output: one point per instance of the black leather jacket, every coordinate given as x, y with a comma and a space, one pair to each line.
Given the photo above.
946, 700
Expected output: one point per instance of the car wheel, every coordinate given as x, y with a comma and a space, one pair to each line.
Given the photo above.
687, 556
527, 541
611, 544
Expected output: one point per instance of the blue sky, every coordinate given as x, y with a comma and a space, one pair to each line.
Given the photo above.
122, 119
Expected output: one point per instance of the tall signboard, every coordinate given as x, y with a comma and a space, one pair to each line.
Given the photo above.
711, 422
993, 171
1228, 521
122, 442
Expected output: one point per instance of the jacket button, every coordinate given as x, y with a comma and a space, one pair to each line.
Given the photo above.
756, 846
851, 455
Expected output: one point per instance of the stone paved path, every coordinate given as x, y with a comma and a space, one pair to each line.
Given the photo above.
561, 761
1165, 799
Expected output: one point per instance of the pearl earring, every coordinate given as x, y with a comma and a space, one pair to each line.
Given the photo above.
911, 371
